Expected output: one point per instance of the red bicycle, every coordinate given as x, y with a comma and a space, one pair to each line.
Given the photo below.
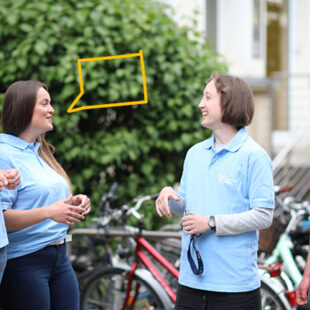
139, 277
145, 280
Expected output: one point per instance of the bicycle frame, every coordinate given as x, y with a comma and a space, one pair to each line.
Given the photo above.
140, 256
291, 276
283, 251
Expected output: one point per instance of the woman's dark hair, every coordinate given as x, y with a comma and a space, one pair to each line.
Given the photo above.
18, 105
236, 100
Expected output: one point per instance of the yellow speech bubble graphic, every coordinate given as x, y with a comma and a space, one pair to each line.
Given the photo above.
72, 107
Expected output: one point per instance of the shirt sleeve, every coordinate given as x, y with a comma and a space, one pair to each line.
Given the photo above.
260, 183
233, 224
261, 198
7, 197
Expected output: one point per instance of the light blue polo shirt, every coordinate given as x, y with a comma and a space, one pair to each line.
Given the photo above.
39, 186
232, 180
3, 235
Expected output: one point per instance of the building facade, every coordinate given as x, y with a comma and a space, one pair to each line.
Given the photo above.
266, 42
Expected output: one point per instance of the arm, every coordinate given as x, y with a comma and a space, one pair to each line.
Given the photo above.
230, 224
60, 211
302, 290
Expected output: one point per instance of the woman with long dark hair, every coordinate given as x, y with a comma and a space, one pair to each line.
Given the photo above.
38, 213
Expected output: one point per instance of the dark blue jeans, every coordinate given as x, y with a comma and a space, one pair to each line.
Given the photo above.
43, 280
189, 298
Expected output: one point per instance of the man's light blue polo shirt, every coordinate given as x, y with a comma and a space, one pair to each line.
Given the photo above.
39, 186
232, 180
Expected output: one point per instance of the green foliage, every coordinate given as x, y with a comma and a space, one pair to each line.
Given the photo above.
142, 147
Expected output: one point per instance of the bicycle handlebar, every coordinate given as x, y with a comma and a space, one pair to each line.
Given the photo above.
296, 210
285, 188
125, 210
110, 195
139, 201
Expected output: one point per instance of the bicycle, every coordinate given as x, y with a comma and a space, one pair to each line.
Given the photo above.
88, 251
128, 286
291, 251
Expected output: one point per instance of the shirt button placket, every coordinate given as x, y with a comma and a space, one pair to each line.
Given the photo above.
214, 159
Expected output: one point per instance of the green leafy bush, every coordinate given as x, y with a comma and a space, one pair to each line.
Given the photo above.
142, 147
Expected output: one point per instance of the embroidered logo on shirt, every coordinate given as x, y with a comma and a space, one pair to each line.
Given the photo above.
223, 179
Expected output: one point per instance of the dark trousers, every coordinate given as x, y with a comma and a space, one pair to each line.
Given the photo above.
189, 298
43, 280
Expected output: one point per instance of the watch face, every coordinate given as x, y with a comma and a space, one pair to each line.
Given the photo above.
212, 222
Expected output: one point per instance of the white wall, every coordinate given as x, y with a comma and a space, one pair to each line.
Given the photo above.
235, 38
299, 63
298, 78
234, 32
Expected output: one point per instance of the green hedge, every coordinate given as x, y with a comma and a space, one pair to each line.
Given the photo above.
142, 147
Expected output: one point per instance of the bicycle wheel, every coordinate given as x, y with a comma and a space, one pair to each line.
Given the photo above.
270, 299
106, 290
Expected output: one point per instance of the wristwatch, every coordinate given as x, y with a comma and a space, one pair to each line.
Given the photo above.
211, 223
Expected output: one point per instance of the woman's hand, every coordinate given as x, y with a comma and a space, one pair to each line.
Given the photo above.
62, 212
82, 201
3, 179
162, 205
195, 223
9, 179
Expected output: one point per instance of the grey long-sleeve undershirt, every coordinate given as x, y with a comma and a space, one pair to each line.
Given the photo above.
233, 224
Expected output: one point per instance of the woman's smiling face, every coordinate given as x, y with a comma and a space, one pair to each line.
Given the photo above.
41, 121
210, 107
